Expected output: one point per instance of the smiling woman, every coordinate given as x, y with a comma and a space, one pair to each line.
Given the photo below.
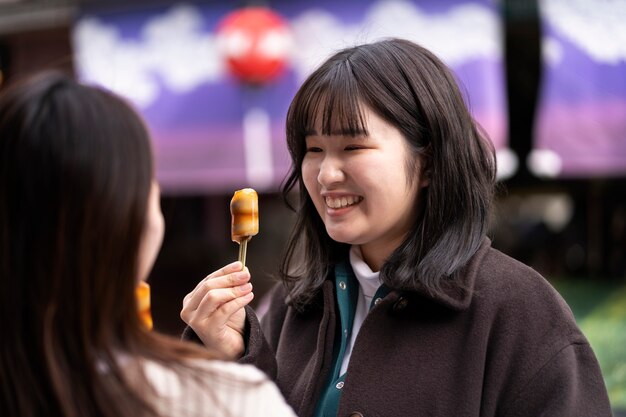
358, 197
393, 302
417, 118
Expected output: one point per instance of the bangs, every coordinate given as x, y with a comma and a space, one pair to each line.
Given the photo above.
329, 104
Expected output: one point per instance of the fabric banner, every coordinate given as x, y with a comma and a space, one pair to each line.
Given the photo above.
581, 120
211, 133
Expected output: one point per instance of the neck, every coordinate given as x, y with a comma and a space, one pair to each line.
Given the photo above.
375, 254
375, 257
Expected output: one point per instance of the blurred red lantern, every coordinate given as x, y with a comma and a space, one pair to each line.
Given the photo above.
255, 42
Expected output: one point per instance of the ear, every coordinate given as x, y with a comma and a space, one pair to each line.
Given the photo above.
425, 172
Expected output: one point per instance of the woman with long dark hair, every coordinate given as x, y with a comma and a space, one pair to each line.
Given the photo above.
393, 302
80, 226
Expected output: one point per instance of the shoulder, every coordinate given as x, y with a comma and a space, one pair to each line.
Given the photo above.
524, 313
505, 282
215, 369
214, 372
533, 335
507, 269
228, 388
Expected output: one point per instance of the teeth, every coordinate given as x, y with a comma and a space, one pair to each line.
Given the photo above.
342, 202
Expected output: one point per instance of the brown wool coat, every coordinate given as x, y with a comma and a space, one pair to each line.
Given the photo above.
507, 346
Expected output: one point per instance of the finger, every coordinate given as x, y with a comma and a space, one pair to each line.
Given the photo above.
226, 310
229, 281
215, 298
201, 308
228, 269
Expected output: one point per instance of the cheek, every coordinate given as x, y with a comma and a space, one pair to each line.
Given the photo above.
309, 177
153, 235
158, 228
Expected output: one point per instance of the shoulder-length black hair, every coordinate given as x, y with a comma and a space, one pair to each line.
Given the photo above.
75, 175
413, 90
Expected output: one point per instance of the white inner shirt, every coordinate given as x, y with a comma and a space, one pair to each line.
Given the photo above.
368, 285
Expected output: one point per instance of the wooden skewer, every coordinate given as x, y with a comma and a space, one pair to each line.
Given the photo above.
243, 248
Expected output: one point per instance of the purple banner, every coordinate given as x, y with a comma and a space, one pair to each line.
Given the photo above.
212, 134
581, 125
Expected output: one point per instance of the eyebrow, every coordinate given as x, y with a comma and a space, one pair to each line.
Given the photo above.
339, 132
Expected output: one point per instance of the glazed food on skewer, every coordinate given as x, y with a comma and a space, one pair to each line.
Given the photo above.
244, 210
142, 292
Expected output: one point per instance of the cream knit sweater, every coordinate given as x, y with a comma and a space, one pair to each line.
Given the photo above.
224, 389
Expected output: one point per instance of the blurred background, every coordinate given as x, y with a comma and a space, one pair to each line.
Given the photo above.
546, 79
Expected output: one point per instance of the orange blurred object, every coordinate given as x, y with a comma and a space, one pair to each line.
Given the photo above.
142, 292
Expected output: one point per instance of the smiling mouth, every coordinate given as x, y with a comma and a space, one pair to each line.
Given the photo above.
342, 202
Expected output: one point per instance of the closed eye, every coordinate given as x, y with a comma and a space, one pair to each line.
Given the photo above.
354, 148
313, 149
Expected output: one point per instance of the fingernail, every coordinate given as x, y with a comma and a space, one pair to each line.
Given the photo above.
245, 287
241, 275
235, 266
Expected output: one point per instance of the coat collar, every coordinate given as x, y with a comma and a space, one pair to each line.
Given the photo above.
457, 294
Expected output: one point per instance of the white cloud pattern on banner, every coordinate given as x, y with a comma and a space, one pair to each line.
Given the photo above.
463, 33
174, 51
183, 55
597, 27
105, 59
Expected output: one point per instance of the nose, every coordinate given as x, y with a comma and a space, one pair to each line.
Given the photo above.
331, 171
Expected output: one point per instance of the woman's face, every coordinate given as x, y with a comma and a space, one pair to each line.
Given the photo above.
361, 189
152, 234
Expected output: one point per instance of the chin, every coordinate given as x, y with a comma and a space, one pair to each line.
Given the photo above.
341, 237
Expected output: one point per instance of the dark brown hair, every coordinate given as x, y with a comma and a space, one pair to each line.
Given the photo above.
75, 174
413, 90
